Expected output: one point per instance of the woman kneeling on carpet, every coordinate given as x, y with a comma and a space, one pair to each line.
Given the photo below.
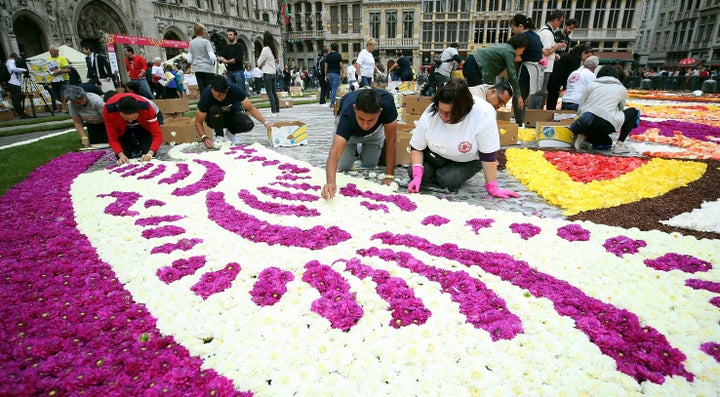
454, 139
602, 112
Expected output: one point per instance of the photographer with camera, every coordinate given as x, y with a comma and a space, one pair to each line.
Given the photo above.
15, 83
201, 56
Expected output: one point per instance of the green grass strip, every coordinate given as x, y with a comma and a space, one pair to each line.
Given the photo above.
19, 161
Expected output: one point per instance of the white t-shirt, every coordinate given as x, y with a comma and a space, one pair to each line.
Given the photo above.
446, 67
548, 40
461, 142
351, 73
576, 83
367, 63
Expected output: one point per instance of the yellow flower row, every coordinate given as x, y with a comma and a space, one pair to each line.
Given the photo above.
655, 178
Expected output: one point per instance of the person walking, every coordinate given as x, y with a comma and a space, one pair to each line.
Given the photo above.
267, 62
137, 70
334, 71
365, 65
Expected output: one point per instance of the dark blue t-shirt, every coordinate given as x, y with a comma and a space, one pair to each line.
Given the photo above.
347, 123
234, 96
533, 52
333, 60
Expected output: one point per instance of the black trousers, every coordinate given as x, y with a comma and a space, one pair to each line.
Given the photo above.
324, 89
135, 141
472, 72
97, 133
446, 173
16, 97
203, 79
235, 121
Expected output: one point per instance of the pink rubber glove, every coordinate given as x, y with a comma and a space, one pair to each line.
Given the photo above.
495, 191
417, 171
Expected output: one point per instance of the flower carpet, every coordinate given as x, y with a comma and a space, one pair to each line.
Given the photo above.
225, 273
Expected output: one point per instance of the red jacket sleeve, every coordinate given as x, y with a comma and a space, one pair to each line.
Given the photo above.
148, 119
115, 127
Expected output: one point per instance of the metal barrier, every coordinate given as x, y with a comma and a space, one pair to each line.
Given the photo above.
671, 83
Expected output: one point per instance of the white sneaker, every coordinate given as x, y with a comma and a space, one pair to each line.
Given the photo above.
578, 141
620, 148
229, 136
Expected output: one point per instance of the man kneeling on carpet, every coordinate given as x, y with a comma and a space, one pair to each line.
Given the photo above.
132, 127
86, 110
454, 139
221, 105
366, 117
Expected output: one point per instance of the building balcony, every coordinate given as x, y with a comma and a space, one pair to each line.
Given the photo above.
397, 43
604, 34
306, 34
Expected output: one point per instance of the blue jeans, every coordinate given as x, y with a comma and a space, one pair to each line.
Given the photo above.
236, 77
334, 80
365, 81
144, 86
57, 92
569, 106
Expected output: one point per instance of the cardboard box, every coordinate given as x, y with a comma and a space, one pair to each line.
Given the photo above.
6, 115
532, 116
504, 115
286, 102
416, 104
182, 130
508, 133
173, 106
402, 145
553, 134
296, 91
561, 115
406, 86
410, 118
288, 133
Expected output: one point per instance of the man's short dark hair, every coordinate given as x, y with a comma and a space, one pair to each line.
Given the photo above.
128, 105
503, 87
219, 83
129, 49
368, 101
334, 47
109, 95
571, 22
454, 45
518, 41
608, 70
232, 30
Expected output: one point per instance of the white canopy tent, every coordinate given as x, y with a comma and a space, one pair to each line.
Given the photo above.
76, 59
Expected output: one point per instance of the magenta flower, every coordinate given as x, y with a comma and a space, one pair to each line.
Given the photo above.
573, 232
212, 177
673, 261
712, 349
270, 286
276, 208
182, 173
215, 282
401, 201
336, 303
163, 231
622, 245
374, 207
122, 204
435, 220
525, 230
479, 223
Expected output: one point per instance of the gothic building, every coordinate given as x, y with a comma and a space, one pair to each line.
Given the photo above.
29, 27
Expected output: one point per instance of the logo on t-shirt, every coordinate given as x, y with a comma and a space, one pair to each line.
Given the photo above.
464, 147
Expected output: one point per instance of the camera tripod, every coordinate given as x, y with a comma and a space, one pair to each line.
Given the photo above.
29, 87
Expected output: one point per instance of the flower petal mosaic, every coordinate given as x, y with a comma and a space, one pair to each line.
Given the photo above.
225, 274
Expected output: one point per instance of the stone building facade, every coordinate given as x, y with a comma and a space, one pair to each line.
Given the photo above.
29, 27
423, 28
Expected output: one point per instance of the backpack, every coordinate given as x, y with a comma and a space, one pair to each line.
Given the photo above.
433, 68
74, 76
4, 73
319, 69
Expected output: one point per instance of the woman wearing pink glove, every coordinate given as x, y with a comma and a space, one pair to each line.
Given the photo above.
454, 139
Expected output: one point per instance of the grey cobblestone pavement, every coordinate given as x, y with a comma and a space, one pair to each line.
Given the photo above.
320, 121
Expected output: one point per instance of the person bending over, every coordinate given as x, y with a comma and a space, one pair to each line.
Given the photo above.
221, 106
367, 117
132, 127
602, 112
454, 139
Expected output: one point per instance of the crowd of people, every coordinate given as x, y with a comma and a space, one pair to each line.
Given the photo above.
455, 138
